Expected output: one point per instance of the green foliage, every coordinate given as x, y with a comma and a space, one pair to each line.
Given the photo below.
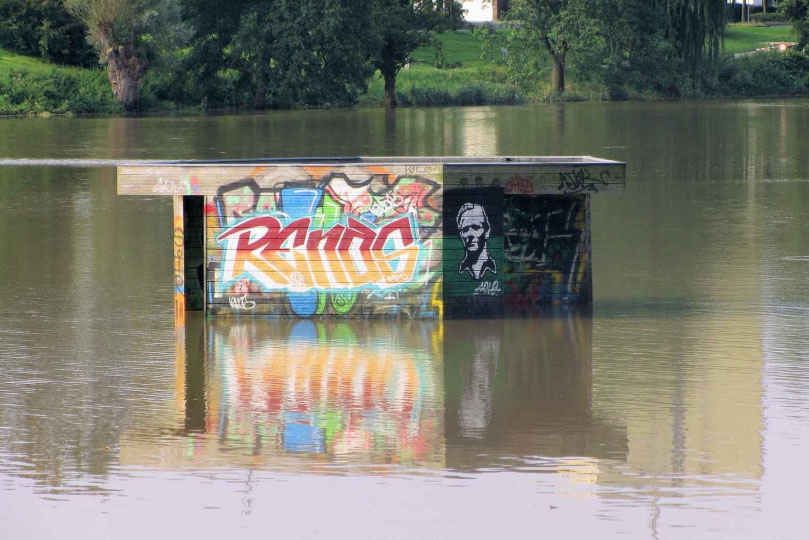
45, 29
426, 86
490, 45
551, 28
797, 11
278, 52
118, 23
770, 16
399, 27
669, 47
765, 73
695, 29
56, 91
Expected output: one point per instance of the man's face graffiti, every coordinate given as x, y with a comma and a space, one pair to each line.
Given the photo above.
473, 226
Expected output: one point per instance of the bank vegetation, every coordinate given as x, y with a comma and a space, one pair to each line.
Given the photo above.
116, 56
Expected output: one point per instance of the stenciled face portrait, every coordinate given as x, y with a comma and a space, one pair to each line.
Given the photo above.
474, 229
473, 226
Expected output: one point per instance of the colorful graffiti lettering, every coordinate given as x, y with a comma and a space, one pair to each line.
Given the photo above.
297, 258
313, 241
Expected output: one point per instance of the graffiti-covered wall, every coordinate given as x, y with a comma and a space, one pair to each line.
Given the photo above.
319, 241
380, 237
546, 253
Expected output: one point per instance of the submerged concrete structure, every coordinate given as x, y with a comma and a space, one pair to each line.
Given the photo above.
407, 237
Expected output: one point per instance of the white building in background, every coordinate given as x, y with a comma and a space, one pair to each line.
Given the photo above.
478, 10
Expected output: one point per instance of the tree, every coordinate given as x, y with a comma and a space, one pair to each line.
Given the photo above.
632, 50
660, 45
281, 52
44, 28
696, 29
400, 27
118, 29
555, 26
798, 12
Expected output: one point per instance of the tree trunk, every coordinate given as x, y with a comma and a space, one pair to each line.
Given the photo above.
764, 6
390, 89
558, 73
260, 97
125, 72
745, 11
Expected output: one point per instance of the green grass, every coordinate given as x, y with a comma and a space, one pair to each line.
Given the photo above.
749, 37
31, 86
424, 85
13, 63
460, 46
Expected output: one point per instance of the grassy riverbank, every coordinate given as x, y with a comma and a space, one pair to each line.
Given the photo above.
749, 37
31, 86
449, 72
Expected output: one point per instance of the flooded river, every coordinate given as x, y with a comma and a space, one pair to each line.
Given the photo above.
677, 408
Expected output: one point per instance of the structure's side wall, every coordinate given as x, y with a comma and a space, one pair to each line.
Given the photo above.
178, 252
326, 241
546, 250
194, 229
473, 252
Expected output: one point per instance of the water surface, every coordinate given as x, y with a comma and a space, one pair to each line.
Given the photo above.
677, 408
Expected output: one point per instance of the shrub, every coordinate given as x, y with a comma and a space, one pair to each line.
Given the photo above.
56, 91
765, 73
770, 16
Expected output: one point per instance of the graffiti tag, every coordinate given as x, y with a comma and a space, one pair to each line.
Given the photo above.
519, 184
185, 186
388, 204
581, 181
295, 257
489, 288
240, 301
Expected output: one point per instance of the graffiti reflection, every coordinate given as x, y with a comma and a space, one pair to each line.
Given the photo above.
341, 395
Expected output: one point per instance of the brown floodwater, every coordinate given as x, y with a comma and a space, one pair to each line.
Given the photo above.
678, 407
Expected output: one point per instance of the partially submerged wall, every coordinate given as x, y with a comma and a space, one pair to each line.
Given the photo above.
386, 238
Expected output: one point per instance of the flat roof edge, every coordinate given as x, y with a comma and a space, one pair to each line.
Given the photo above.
374, 160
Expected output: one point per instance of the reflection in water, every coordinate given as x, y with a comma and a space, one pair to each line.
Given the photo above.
265, 391
522, 388
303, 395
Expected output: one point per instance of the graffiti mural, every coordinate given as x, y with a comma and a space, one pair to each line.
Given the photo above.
317, 241
546, 252
473, 252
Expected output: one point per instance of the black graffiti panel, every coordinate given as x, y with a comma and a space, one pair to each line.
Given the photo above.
545, 249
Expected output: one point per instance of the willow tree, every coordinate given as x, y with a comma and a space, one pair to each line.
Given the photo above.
696, 28
117, 29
